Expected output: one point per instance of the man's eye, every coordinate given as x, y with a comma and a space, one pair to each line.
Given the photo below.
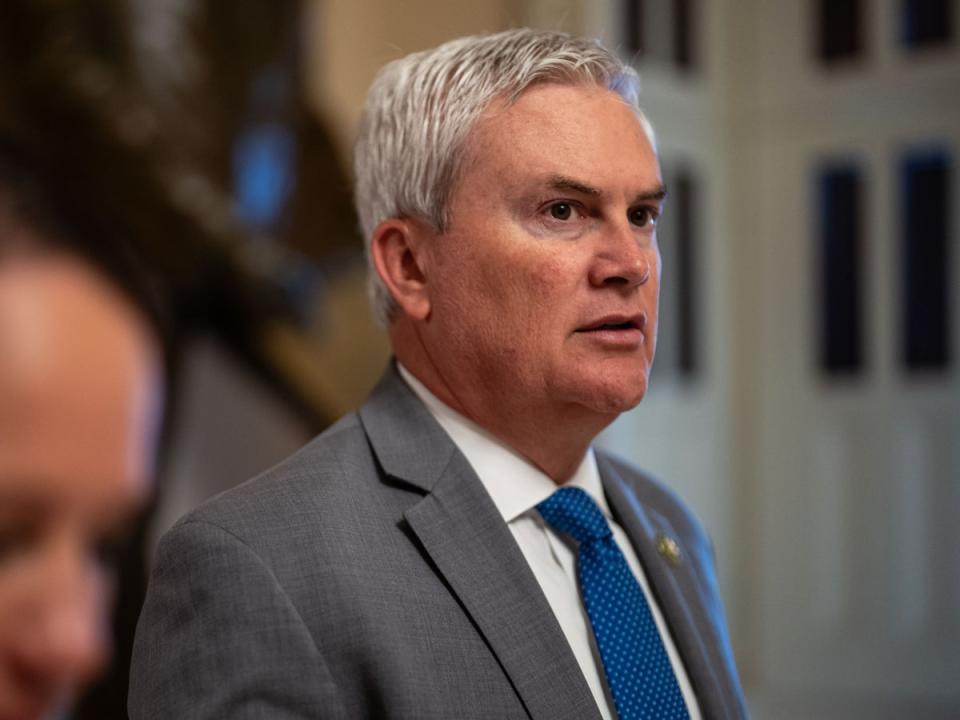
643, 216
109, 547
107, 551
16, 538
561, 211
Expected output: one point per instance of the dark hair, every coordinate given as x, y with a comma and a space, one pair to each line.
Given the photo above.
41, 209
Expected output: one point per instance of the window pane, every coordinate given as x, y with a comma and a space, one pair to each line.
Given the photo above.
839, 29
678, 346
926, 265
683, 49
927, 22
683, 198
840, 332
633, 24
662, 31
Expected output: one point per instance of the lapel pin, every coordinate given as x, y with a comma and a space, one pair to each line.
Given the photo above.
668, 549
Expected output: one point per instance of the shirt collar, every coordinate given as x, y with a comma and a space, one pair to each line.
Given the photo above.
514, 483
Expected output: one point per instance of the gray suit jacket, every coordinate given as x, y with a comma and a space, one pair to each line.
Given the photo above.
371, 576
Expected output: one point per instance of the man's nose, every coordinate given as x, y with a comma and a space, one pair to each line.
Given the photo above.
64, 642
623, 258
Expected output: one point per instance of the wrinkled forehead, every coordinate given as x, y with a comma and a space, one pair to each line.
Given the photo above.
504, 101
472, 144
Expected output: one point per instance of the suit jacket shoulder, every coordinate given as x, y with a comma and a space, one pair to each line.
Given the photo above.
657, 497
368, 575
678, 558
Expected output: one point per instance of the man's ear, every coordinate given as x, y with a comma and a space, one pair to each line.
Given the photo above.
397, 253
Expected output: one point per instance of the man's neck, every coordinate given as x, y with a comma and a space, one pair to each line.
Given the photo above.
555, 439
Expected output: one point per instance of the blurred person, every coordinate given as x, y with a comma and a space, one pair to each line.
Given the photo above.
80, 383
457, 548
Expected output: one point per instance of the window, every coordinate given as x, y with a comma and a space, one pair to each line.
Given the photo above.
678, 347
684, 199
661, 31
839, 30
840, 322
925, 260
683, 50
633, 22
926, 22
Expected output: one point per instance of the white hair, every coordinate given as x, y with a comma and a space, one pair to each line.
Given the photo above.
421, 109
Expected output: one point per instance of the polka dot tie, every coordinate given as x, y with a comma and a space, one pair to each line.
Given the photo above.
639, 674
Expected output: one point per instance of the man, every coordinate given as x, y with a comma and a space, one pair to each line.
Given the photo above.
80, 400
417, 560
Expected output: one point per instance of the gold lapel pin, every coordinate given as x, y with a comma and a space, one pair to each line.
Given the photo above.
668, 549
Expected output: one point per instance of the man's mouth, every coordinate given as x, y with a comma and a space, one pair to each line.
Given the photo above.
615, 323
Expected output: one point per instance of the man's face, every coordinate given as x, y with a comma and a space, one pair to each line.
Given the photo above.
78, 406
544, 288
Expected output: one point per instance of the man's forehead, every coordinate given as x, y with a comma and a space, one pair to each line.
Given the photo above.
504, 103
562, 138
553, 112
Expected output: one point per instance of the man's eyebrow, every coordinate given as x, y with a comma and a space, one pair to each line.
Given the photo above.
561, 182
21, 501
657, 194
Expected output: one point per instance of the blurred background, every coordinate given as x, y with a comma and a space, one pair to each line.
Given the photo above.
806, 395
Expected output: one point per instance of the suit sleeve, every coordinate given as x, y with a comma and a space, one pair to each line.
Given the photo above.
218, 638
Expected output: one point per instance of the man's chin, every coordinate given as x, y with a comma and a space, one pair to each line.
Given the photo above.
617, 405
613, 399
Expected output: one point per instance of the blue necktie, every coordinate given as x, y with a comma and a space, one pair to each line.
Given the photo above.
639, 674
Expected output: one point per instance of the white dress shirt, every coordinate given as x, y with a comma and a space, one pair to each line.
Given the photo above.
516, 487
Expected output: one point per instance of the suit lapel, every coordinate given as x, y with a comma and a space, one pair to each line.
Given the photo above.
682, 600
472, 548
